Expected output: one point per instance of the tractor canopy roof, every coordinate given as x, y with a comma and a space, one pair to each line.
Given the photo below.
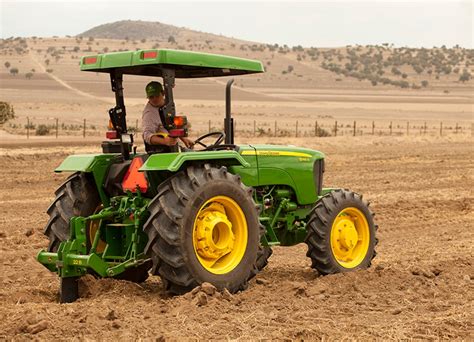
187, 64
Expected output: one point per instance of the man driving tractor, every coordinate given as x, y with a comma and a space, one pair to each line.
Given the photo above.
155, 135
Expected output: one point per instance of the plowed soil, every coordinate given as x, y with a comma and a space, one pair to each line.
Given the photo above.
420, 285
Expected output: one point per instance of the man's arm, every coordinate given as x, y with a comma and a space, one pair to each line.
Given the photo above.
157, 139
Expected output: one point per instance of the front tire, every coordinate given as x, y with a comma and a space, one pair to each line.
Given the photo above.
203, 227
341, 233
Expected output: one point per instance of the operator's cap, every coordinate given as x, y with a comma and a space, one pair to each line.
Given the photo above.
153, 88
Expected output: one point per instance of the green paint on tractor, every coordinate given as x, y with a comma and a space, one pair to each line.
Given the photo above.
209, 215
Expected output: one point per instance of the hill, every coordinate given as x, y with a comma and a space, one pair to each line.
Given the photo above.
139, 30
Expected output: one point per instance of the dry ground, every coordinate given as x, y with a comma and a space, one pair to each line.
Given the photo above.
419, 287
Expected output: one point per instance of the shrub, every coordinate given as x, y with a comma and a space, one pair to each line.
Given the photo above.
7, 65
14, 71
424, 83
29, 75
6, 112
42, 130
321, 132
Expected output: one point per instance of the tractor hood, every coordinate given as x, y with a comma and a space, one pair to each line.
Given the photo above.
299, 168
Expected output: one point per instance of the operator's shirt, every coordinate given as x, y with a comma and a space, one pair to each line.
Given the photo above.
151, 122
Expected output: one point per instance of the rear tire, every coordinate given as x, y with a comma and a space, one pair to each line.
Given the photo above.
341, 233
190, 239
78, 196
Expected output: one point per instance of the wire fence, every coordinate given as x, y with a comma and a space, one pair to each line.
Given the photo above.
259, 128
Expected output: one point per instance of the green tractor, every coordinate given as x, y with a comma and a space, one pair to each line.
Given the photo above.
209, 215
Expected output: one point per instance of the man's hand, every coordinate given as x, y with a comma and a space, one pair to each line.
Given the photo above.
187, 142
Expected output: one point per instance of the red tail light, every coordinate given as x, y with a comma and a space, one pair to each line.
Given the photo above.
111, 134
90, 60
175, 133
150, 54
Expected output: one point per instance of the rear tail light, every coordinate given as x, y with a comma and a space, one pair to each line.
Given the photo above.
150, 54
90, 60
177, 133
111, 135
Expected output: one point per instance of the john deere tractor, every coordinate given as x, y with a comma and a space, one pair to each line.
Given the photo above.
193, 216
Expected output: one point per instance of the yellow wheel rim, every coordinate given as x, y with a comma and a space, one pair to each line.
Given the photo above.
350, 237
220, 235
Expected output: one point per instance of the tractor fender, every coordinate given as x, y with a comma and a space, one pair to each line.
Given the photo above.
96, 164
85, 162
174, 161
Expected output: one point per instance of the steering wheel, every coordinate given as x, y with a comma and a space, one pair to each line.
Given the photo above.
220, 137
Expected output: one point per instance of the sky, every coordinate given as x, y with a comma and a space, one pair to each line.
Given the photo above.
307, 23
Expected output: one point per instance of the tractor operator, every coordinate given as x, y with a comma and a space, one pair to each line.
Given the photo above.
155, 135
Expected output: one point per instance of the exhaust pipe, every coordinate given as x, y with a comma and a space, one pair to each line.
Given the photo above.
228, 121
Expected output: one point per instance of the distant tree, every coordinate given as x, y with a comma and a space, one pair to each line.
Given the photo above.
7, 65
29, 75
290, 68
404, 75
46, 61
143, 40
171, 40
424, 83
14, 71
49, 71
76, 49
105, 49
465, 76
91, 39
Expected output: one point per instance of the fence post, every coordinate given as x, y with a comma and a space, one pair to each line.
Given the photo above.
373, 127
441, 129
335, 129
84, 130
390, 127
27, 127
296, 129
316, 128
57, 127
456, 128
408, 127
354, 128
275, 128
209, 131
424, 128
136, 126
254, 127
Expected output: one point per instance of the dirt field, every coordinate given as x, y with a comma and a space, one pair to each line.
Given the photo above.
421, 284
